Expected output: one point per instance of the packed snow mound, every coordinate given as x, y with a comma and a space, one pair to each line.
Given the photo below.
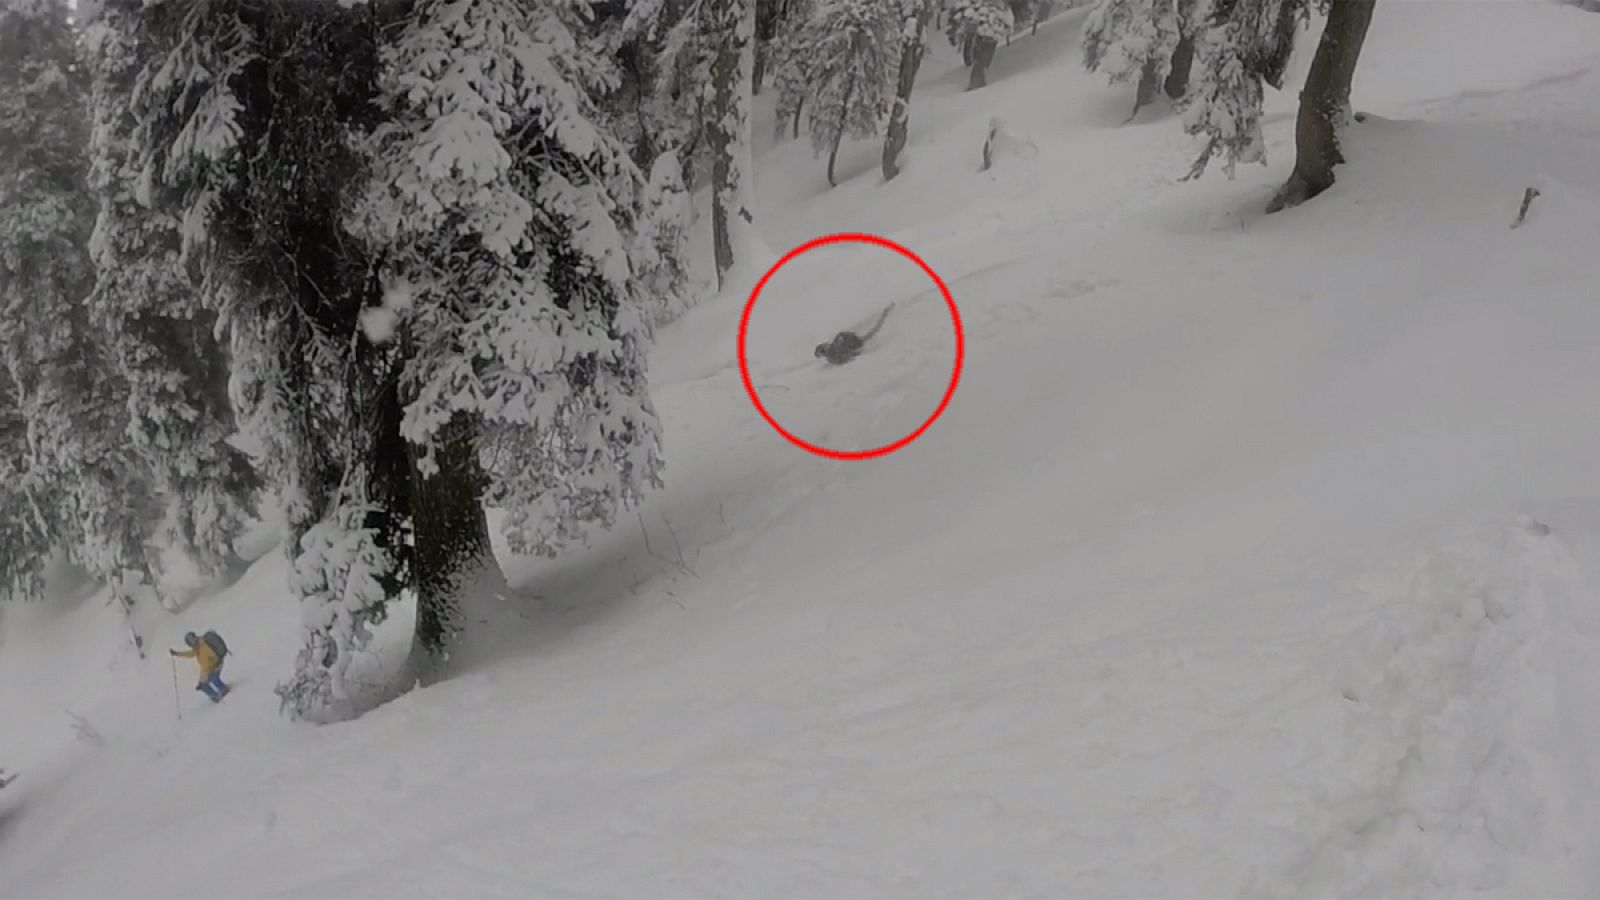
1466, 760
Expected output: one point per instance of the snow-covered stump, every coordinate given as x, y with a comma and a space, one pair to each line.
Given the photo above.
1001, 143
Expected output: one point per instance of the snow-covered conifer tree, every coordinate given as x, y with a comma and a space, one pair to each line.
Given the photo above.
163, 337
914, 16
27, 527
791, 75
41, 227
265, 233
732, 22
853, 48
424, 267
1243, 44
704, 60
503, 218
1139, 40
346, 573
667, 47
978, 27
769, 19
1021, 11
88, 491
1239, 46
628, 109
661, 241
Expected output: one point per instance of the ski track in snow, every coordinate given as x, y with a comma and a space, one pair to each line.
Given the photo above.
1253, 557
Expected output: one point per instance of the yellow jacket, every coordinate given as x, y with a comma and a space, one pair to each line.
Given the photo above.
204, 655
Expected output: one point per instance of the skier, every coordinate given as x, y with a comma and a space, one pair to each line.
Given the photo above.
208, 652
846, 345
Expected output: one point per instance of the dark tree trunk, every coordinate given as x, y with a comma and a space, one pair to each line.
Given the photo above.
838, 137
1325, 103
798, 107
1148, 85
317, 472
450, 535
967, 44
982, 55
769, 17
725, 133
644, 151
1273, 64
900, 113
1182, 62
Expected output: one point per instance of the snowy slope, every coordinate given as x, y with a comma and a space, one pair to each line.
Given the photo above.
1255, 555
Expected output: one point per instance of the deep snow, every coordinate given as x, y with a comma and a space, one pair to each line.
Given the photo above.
1255, 555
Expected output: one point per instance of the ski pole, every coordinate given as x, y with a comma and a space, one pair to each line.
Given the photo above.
175, 702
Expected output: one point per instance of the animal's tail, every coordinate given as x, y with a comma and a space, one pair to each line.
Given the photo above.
885, 315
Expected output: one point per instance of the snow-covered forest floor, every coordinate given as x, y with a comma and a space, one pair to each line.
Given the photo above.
1255, 555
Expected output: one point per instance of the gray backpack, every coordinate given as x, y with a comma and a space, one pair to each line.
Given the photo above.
216, 643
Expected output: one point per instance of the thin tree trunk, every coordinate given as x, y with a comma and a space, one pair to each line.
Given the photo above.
452, 553
797, 108
1325, 103
982, 54
910, 60
1147, 88
688, 152
728, 130
1182, 62
768, 19
645, 150
838, 137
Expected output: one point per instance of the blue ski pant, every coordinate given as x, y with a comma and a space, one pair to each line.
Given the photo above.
213, 687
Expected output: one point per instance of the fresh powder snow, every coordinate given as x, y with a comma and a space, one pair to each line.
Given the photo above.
1254, 556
